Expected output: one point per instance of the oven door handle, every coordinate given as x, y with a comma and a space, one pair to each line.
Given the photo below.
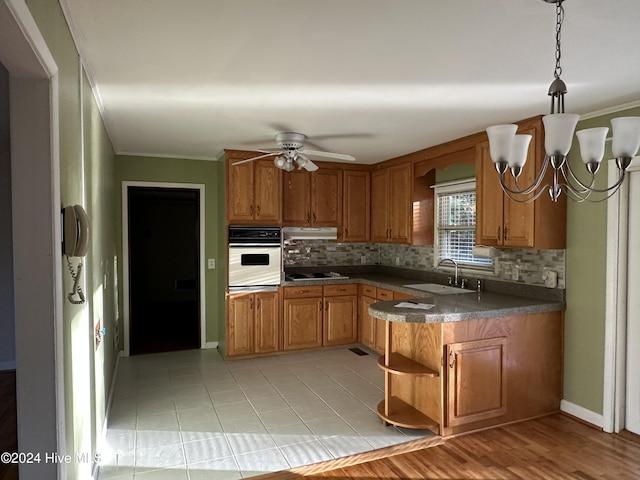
263, 245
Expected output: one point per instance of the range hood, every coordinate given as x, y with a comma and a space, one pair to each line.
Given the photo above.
309, 233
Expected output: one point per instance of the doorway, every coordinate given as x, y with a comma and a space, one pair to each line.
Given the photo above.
164, 264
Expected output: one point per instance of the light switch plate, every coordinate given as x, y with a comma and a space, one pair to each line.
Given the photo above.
550, 278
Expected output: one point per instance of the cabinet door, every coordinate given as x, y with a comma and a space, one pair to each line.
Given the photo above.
240, 330
489, 200
399, 204
326, 198
340, 323
296, 208
356, 206
476, 381
240, 200
366, 323
302, 323
267, 322
379, 207
267, 192
519, 217
380, 335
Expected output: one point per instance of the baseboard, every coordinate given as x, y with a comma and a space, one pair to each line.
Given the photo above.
12, 365
582, 413
211, 345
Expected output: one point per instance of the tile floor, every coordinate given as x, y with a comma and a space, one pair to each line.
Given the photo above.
190, 415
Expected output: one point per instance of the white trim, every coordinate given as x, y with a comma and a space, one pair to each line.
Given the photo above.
581, 413
211, 345
125, 255
7, 366
615, 309
215, 158
610, 110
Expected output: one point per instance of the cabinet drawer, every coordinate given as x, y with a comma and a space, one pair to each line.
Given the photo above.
384, 294
367, 290
302, 292
335, 290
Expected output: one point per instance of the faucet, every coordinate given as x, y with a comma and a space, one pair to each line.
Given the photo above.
455, 264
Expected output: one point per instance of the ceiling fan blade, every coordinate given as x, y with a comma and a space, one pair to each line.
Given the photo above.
305, 163
257, 158
339, 156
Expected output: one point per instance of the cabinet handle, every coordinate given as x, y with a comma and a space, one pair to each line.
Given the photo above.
258, 303
346, 232
452, 360
506, 234
326, 306
258, 210
498, 234
314, 217
309, 217
251, 209
251, 303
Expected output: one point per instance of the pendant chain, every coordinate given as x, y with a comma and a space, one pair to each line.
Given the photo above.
559, 19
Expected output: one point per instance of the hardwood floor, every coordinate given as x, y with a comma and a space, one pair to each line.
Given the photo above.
8, 425
553, 447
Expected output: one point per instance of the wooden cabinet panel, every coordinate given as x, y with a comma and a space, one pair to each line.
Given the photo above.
253, 323
312, 198
240, 328
366, 323
384, 294
342, 289
303, 291
476, 381
391, 209
254, 192
302, 323
489, 200
379, 206
340, 320
240, 203
356, 223
296, 198
267, 322
267, 191
326, 198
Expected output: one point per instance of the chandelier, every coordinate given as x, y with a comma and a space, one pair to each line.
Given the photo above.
509, 151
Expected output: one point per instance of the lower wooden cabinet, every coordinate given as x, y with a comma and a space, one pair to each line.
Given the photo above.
340, 320
302, 323
253, 323
476, 387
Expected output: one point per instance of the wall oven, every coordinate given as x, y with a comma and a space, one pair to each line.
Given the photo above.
255, 257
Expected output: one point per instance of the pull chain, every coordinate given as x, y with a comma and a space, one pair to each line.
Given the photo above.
559, 19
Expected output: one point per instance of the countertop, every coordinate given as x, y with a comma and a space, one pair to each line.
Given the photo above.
447, 308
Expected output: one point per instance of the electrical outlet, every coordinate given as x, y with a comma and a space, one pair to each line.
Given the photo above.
515, 273
211, 263
397, 261
363, 259
550, 278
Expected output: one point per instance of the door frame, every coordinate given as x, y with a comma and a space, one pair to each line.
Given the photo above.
36, 223
616, 303
125, 255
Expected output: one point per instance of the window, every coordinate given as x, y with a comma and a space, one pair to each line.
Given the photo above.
455, 224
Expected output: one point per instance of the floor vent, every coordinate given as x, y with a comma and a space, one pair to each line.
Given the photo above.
358, 351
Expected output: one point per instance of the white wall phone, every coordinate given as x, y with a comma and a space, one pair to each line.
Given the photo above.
75, 243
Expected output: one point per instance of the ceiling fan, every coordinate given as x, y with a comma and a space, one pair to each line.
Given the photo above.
290, 153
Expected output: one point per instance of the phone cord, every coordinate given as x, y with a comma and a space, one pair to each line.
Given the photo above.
76, 284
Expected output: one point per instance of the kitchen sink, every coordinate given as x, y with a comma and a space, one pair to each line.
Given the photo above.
438, 289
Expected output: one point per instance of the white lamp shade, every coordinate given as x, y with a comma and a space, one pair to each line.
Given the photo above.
558, 132
500, 139
519, 150
626, 136
592, 143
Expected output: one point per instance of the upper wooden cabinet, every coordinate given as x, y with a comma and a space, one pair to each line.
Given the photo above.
254, 194
312, 199
391, 212
356, 203
503, 222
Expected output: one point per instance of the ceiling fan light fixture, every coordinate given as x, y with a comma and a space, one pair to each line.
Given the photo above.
510, 150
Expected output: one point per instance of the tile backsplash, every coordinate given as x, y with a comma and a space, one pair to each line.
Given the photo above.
528, 263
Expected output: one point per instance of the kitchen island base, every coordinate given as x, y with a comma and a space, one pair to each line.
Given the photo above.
454, 377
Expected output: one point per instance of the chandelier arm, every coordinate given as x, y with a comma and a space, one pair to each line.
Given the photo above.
510, 193
583, 188
613, 187
531, 188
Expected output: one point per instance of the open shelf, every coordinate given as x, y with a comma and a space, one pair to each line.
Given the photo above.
404, 415
401, 365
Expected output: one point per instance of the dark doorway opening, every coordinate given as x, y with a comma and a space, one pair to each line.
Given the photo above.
164, 278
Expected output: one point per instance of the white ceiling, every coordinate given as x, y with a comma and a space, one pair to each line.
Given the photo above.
372, 78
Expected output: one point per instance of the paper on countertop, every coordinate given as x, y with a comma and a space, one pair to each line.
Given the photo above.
419, 306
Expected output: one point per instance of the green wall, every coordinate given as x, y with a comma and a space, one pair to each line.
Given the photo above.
86, 178
455, 172
212, 175
586, 287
